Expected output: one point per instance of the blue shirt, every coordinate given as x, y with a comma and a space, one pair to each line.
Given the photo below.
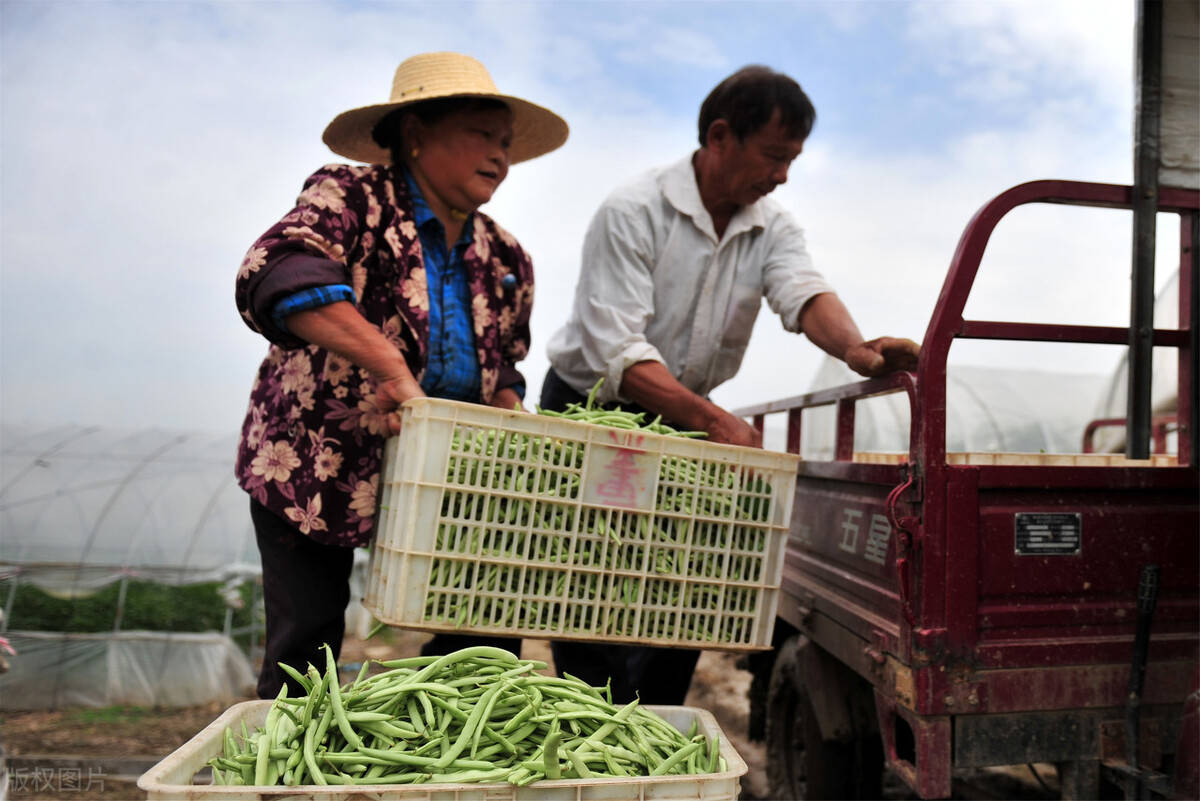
309, 299
452, 365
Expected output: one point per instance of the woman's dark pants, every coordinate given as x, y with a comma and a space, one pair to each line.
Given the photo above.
306, 586
655, 675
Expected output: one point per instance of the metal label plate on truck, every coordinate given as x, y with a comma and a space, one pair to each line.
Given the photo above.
1049, 533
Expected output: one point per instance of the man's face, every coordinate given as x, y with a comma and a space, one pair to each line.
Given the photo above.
753, 167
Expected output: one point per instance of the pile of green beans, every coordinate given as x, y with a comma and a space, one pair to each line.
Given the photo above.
477, 715
513, 499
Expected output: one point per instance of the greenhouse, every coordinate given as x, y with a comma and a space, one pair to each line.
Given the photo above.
128, 569
990, 410
1164, 385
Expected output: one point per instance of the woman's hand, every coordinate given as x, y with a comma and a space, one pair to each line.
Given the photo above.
508, 399
341, 328
390, 394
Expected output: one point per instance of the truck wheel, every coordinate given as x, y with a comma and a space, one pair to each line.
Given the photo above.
785, 727
800, 765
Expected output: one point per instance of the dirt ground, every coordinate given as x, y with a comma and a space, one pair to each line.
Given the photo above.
137, 736
134, 733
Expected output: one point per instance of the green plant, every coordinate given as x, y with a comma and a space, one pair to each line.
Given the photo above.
109, 714
147, 606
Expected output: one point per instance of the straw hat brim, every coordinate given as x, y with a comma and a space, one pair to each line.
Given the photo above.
536, 130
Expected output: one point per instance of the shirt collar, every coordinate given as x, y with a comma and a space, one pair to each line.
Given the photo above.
421, 211
682, 192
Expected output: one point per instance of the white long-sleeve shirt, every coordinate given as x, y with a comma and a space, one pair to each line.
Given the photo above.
656, 284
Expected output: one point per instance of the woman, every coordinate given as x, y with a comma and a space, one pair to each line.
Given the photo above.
384, 283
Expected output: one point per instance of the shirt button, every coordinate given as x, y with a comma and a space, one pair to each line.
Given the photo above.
508, 281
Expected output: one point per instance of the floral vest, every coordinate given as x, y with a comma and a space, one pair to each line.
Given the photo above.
311, 443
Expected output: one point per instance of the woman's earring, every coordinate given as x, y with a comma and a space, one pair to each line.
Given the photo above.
416, 152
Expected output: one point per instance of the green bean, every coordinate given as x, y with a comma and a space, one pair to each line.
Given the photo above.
414, 715
385, 691
613, 765
399, 778
228, 742
581, 769
260, 763
309, 747
466, 654
426, 707
486, 715
291, 671
468, 731
466, 776
553, 771
520, 727
335, 700
676, 758
401, 758
409, 662
380, 738
367, 717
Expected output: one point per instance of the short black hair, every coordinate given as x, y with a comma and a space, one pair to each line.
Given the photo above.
748, 97
388, 132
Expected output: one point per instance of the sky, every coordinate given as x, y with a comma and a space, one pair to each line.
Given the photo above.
145, 145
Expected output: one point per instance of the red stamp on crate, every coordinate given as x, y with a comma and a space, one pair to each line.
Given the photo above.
621, 474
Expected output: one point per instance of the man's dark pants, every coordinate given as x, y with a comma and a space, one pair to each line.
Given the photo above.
306, 586
655, 675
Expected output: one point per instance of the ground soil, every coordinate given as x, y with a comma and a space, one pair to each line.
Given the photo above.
147, 735
131, 733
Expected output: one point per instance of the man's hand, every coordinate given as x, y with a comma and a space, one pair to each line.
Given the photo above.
650, 385
732, 430
882, 356
390, 394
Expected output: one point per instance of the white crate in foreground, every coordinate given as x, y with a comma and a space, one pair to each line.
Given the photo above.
171, 779
505, 523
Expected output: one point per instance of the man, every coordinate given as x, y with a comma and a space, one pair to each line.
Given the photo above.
675, 266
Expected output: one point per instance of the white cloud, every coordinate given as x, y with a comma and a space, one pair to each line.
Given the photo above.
848, 16
1012, 47
687, 47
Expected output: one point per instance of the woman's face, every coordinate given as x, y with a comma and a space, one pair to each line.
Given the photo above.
464, 155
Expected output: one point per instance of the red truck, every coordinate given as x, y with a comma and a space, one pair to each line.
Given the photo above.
943, 611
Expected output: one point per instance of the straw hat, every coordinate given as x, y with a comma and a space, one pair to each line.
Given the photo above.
536, 130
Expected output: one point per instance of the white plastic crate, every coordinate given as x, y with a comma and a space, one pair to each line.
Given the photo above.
506, 523
172, 778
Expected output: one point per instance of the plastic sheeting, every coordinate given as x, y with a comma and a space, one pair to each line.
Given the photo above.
132, 668
1164, 377
84, 507
81, 507
987, 411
